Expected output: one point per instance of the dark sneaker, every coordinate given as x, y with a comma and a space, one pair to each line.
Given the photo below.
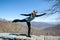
29, 36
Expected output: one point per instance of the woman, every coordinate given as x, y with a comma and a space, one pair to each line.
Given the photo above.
29, 19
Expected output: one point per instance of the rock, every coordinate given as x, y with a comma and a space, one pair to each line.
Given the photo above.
9, 36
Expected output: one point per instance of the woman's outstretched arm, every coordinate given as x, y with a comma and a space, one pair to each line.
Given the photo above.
40, 15
25, 14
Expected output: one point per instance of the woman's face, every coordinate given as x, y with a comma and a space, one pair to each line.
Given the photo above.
34, 13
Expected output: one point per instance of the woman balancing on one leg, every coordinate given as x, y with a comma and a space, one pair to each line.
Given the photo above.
29, 19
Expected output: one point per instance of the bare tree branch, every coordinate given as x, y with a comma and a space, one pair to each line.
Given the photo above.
55, 8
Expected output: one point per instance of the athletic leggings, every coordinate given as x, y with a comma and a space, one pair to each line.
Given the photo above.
28, 24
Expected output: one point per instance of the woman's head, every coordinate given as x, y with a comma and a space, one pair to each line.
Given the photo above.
34, 12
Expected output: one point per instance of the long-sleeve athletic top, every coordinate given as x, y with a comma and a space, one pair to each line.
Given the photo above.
31, 16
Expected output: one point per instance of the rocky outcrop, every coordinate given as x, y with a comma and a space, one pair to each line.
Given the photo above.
14, 36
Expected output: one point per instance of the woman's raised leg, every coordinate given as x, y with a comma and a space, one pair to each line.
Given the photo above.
17, 20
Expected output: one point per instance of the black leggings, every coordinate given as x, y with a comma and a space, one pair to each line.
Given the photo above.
28, 24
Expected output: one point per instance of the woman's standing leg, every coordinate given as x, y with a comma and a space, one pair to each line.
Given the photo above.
29, 29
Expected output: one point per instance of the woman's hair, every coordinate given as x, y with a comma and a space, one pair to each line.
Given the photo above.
35, 11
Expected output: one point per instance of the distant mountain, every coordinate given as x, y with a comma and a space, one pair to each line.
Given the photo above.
52, 30
39, 24
57, 27
4, 20
54, 23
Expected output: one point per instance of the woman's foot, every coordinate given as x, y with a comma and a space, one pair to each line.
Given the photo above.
29, 36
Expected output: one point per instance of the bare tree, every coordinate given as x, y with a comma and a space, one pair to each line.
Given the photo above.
55, 8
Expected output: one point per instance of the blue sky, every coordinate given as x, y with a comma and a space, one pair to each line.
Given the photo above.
11, 9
